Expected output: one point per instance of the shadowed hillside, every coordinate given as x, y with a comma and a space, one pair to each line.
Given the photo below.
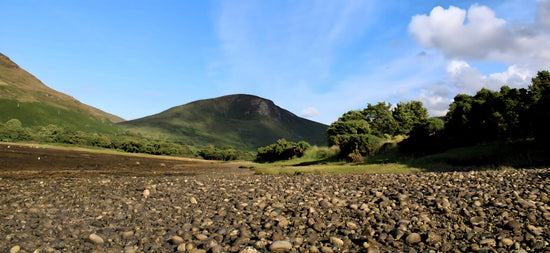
242, 121
24, 97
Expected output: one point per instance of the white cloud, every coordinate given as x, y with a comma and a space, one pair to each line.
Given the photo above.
462, 78
310, 112
478, 35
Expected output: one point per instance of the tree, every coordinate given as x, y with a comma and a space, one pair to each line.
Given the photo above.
352, 133
425, 137
408, 115
13, 131
539, 112
346, 127
380, 119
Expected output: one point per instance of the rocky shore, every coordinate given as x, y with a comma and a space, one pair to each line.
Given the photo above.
489, 211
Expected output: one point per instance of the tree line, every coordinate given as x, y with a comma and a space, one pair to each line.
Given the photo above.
488, 116
14, 131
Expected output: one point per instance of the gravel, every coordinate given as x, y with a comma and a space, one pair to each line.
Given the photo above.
487, 211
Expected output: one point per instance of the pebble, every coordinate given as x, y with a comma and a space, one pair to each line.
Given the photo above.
337, 242
326, 249
127, 234
15, 249
423, 212
413, 238
507, 242
96, 239
280, 246
176, 240
182, 247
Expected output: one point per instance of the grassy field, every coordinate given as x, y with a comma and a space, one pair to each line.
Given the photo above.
493, 156
105, 151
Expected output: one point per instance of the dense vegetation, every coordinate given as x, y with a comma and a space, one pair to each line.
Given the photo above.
42, 114
225, 153
282, 150
13, 130
517, 116
360, 133
509, 115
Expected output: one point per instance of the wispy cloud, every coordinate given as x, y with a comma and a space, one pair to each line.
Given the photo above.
285, 48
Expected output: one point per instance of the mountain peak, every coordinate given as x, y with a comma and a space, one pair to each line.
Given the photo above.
240, 120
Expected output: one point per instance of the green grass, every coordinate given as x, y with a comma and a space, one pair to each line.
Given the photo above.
294, 167
40, 114
100, 150
491, 156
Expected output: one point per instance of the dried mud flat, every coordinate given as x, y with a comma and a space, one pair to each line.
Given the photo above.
187, 206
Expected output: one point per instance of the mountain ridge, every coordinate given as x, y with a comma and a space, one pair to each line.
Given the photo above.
25, 97
240, 120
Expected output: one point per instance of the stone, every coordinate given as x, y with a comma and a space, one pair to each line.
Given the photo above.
326, 249
373, 249
314, 249
248, 250
489, 242
201, 237
506, 242
15, 249
130, 249
513, 225
127, 234
280, 246
146, 193
182, 247
477, 220
193, 200
96, 239
176, 240
216, 249
413, 238
337, 242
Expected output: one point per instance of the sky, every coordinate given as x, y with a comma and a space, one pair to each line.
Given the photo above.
317, 59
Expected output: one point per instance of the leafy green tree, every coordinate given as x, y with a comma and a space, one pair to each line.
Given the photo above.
380, 119
425, 137
13, 131
346, 127
408, 115
352, 133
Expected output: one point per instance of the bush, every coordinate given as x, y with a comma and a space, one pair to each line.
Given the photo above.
226, 153
282, 150
364, 144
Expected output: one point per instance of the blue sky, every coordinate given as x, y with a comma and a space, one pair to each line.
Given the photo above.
318, 59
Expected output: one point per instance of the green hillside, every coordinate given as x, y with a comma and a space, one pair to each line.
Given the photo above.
24, 97
242, 121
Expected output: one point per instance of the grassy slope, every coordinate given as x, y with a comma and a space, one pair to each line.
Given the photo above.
228, 120
497, 155
26, 98
39, 114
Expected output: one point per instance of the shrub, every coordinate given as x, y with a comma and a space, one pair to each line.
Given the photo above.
282, 150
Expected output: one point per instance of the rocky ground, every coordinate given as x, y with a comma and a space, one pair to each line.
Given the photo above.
490, 211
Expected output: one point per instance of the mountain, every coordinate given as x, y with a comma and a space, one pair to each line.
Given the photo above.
24, 97
242, 121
